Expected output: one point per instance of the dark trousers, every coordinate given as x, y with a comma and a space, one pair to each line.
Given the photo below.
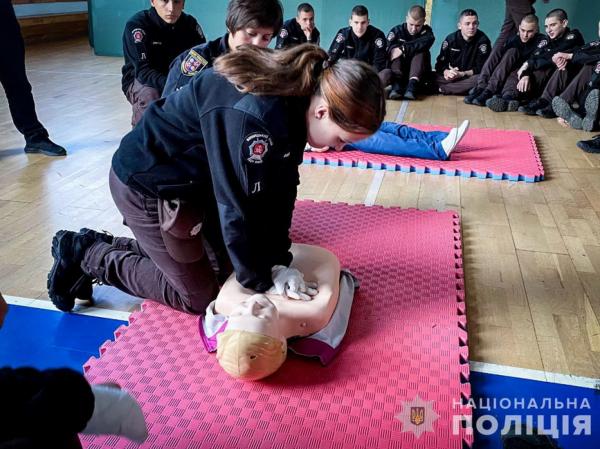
143, 267
579, 88
402, 69
538, 80
514, 13
140, 97
502, 71
14, 78
561, 81
455, 87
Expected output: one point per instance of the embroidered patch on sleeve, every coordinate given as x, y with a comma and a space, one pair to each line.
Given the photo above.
283, 33
339, 38
379, 42
138, 35
444, 45
256, 146
193, 63
391, 36
483, 48
570, 36
542, 43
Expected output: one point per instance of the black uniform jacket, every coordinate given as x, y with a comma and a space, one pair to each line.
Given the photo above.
207, 142
150, 44
466, 55
525, 49
191, 62
370, 47
291, 34
541, 58
410, 44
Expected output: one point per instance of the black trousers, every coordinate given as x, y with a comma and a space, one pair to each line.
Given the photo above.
13, 76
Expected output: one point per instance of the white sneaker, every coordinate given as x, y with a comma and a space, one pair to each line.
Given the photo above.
454, 137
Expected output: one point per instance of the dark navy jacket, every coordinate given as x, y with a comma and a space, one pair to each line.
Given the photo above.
525, 49
466, 55
399, 37
208, 142
369, 48
192, 61
291, 34
150, 44
541, 58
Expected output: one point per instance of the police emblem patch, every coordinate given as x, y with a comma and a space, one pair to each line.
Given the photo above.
570, 36
542, 43
391, 36
339, 38
595, 43
256, 145
379, 42
483, 48
597, 69
193, 63
283, 33
138, 35
444, 45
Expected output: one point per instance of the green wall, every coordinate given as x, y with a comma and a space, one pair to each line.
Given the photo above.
108, 17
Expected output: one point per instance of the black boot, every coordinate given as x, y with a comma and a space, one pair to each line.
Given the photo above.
532, 107
43, 145
482, 98
411, 90
473, 93
546, 112
397, 92
590, 146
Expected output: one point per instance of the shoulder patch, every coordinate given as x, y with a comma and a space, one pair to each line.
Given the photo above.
483, 48
570, 36
594, 43
444, 45
256, 146
391, 36
542, 43
193, 63
339, 38
597, 69
138, 35
283, 33
379, 42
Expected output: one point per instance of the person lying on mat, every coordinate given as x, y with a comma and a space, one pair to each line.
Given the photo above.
395, 139
208, 187
48, 408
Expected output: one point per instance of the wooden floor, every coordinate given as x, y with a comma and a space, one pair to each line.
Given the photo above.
532, 251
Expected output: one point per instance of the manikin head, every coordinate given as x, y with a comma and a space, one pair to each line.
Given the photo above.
415, 19
253, 22
253, 346
468, 23
528, 27
305, 16
168, 10
556, 23
359, 20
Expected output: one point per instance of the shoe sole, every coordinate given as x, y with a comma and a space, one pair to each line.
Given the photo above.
587, 149
591, 110
513, 106
564, 111
410, 96
496, 104
47, 153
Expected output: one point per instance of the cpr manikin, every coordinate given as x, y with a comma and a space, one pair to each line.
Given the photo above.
254, 344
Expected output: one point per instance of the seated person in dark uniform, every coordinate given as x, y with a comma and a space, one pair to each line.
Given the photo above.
152, 38
360, 41
248, 22
462, 56
299, 30
513, 54
408, 54
534, 75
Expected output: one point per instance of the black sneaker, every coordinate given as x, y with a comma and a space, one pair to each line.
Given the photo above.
532, 107
590, 146
497, 104
546, 112
591, 110
566, 112
482, 98
44, 146
513, 104
411, 89
473, 93
396, 95
66, 279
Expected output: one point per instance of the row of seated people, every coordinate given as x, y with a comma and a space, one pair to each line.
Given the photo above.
531, 72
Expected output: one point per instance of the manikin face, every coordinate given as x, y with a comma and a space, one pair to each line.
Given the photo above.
254, 36
468, 26
323, 131
555, 27
306, 20
256, 314
527, 31
414, 26
359, 24
168, 10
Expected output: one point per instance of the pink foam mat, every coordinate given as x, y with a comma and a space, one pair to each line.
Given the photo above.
484, 153
407, 338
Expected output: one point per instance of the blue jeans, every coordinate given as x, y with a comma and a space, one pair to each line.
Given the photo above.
394, 139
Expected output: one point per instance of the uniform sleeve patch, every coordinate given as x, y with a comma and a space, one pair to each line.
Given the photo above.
570, 36
193, 63
283, 33
138, 35
483, 48
256, 146
391, 36
339, 38
595, 43
444, 45
379, 42
542, 43
597, 69
200, 31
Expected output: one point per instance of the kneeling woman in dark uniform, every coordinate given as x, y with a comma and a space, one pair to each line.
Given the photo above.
208, 179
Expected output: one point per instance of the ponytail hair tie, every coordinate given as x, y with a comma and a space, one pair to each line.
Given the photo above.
319, 68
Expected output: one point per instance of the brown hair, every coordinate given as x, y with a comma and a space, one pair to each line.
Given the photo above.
254, 14
351, 88
531, 18
417, 12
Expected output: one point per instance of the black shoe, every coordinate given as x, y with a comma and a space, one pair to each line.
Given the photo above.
591, 110
411, 89
590, 146
66, 280
497, 104
482, 98
44, 146
473, 93
546, 112
396, 95
513, 104
532, 107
